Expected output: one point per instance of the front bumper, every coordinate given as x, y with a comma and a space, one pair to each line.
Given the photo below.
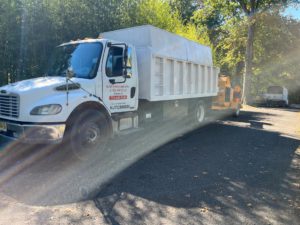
34, 133
276, 102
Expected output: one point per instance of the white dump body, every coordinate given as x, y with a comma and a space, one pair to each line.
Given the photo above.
169, 66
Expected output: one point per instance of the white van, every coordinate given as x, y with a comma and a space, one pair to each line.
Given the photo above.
276, 96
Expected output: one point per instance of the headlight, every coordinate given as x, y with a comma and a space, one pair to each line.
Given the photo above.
52, 109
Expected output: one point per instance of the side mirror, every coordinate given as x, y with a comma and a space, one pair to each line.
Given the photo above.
127, 76
125, 61
70, 73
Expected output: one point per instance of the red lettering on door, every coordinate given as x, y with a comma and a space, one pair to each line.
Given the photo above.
118, 97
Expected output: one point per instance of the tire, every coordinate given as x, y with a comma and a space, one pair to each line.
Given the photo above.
199, 113
236, 112
88, 133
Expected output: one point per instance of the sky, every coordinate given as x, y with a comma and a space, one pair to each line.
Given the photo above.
293, 12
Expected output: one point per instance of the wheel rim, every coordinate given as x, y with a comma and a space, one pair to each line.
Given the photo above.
200, 114
90, 135
237, 112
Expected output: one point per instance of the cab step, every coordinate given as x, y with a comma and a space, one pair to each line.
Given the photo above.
130, 131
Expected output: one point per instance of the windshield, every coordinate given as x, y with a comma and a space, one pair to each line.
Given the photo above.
275, 90
82, 58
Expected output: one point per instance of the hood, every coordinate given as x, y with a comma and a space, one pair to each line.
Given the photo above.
42, 91
33, 84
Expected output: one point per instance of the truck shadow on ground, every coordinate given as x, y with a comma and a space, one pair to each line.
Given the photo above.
221, 169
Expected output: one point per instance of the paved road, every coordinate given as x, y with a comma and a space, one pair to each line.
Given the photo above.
231, 171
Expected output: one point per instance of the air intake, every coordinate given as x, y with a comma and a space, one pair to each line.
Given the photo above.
9, 105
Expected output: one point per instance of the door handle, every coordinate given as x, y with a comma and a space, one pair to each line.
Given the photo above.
132, 92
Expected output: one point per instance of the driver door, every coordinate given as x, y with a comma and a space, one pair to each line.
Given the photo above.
119, 92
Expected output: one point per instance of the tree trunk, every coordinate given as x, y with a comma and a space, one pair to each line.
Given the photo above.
247, 84
23, 44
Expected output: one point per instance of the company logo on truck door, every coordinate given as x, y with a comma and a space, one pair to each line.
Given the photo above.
118, 91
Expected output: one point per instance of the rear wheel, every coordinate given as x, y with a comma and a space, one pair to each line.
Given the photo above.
199, 113
88, 134
237, 110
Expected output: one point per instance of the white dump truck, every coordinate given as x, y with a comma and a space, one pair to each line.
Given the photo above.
96, 88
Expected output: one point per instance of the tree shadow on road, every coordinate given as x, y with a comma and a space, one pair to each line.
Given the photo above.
225, 170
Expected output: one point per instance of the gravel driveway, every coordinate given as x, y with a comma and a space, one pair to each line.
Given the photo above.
231, 171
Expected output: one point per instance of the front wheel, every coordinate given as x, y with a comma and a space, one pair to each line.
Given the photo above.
88, 134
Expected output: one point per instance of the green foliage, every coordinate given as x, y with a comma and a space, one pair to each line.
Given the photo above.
276, 52
185, 8
160, 14
226, 31
275, 42
30, 29
157, 13
10, 21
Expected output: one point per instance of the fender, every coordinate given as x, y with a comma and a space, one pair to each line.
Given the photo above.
91, 105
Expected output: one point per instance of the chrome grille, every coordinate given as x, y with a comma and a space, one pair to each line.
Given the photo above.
9, 105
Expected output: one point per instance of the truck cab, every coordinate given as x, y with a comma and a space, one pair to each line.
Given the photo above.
94, 74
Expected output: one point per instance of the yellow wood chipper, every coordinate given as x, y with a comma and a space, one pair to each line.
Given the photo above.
228, 98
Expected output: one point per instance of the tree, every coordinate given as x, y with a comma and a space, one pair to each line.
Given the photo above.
185, 8
160, 14
226, 31
10, 21
276, 49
